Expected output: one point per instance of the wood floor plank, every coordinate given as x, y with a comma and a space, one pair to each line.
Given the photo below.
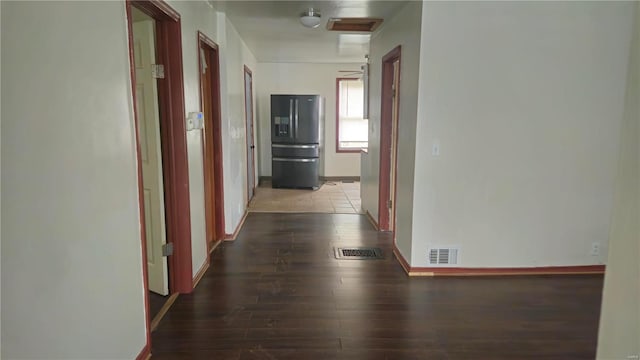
277, 292
198, 355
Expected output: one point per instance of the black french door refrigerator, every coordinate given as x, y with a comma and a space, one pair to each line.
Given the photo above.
295, 140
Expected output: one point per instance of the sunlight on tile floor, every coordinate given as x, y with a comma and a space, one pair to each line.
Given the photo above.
333, 197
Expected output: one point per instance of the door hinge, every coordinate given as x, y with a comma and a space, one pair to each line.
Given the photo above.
167, 249
157, 71
389, 203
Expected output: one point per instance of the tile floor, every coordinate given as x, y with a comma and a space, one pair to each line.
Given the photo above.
333, 197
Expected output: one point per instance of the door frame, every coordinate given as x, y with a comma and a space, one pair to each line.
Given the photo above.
212, 143
386, 126
250, 132
174, 149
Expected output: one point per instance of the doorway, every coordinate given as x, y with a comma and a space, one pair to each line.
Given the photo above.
148, 113
389, 139
248, 112
209, 64
159, 104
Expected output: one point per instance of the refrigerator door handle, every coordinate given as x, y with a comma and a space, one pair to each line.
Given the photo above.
294, 146
290, 118
296, 120
295, 159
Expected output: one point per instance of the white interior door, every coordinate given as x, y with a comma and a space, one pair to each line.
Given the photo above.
248, 103
149, 130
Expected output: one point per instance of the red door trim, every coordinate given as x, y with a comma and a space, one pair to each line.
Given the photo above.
249, 131
174, 149
205, 39
157, 9
214, 134
386, 125
338, 150
174, 140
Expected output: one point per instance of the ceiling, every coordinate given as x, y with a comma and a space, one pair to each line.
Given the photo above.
273, 32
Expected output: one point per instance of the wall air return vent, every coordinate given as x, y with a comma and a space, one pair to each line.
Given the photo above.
443, 256
353, 24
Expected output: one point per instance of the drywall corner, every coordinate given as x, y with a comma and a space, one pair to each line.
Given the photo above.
619, 334
401, 30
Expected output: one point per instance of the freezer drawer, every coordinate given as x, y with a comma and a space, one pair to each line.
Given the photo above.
294, 173
295, 150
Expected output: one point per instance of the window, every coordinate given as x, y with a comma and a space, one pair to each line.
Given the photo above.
351, 127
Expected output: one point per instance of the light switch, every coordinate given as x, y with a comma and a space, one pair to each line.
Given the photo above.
195, 121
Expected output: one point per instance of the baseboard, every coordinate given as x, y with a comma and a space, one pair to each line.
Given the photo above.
264, 179
214, 246
267, 179
510, 271
167, 305
403, 262
340, 178
231, 237
200, 273
372, 220
145, 353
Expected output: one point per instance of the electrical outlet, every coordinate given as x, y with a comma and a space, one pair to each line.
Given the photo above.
595, 249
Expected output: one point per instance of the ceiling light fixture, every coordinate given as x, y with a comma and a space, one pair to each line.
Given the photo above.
310, 18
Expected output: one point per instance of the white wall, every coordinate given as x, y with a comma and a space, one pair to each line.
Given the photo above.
199, 16
71, 251
308, 79
236, 55
195, 16
403, 29
619, 336
70, 176
0, 200
525, 100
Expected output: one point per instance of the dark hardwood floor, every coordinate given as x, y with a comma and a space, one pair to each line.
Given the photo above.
156, 302
278, 293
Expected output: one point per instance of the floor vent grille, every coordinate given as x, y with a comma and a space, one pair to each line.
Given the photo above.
443, 256
358, 253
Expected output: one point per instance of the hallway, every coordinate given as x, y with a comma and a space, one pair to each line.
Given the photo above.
277, 292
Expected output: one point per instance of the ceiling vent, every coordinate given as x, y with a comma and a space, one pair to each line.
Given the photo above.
353, 24
443, 256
